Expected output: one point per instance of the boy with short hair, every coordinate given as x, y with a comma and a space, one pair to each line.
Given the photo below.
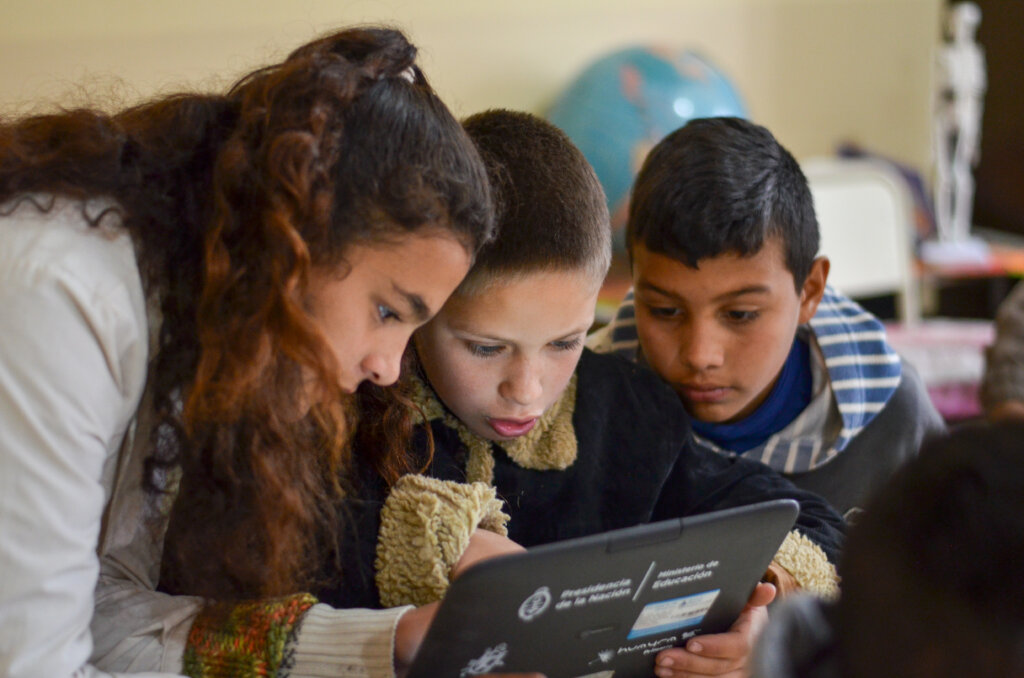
575, 443
730, 307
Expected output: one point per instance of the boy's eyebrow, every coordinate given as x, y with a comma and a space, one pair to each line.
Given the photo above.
750, 289
420, 311
573, 332
649, 287
458, 325
584, 329
489, 337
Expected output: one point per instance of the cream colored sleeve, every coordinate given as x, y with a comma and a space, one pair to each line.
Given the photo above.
808, 564
328, 643
333, 643
73, 339
78, 562
424, 529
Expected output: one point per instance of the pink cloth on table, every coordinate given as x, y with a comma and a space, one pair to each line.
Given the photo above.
950, 356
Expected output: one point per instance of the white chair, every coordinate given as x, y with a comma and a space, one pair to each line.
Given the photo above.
865, 214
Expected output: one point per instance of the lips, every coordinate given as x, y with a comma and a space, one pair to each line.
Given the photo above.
703, 394
512, 428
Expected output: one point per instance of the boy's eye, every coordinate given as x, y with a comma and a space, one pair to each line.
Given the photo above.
742, 316
664, 311
483, 350
386, 313
567, 344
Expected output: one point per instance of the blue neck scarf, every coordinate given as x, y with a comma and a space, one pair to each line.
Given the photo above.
788, 398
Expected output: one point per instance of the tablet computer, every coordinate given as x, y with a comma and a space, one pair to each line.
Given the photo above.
606, 604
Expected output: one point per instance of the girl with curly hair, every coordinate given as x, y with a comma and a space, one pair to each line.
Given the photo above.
204, 298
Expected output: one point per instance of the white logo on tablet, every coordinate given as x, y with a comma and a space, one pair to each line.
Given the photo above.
536, 604
492, 658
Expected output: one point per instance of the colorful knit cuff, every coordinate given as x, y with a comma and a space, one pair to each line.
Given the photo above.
809, 565
425, 527
246, 639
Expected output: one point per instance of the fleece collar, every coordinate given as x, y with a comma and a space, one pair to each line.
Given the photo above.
550, 445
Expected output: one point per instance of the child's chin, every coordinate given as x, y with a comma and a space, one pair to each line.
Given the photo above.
713, 414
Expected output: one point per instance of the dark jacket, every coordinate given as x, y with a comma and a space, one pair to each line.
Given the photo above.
892, 438
636, 463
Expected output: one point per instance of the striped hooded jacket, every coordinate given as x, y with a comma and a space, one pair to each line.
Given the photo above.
869, 410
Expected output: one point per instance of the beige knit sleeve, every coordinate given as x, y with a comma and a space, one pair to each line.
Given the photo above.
808, 564
350, 643
425, 527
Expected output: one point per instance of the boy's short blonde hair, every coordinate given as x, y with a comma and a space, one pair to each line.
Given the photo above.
551, 210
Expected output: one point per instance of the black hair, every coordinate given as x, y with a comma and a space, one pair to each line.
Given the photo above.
932, 570
551, 212
721, 185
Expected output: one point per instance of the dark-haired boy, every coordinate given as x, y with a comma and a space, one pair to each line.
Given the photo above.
730, 307
574, 442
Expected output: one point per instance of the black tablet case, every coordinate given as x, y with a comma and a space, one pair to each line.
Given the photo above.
605, 604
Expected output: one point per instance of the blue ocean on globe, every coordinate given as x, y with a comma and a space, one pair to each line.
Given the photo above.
620, 106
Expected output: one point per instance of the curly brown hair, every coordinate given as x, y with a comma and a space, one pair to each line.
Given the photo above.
232, 201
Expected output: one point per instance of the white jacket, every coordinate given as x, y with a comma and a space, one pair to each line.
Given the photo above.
80, 540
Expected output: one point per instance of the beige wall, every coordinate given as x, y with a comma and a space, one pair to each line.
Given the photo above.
814, 71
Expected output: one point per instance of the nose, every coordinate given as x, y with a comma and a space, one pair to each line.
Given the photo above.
522, 384
700, 348
382, 365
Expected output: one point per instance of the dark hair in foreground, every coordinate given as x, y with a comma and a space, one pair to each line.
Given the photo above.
551, 209
232, 201
718, 186
933, 570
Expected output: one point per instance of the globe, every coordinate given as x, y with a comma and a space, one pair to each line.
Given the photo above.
621, 105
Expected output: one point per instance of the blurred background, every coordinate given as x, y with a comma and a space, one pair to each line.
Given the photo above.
820, 74
816, 72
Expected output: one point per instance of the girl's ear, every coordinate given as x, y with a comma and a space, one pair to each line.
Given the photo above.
813, 289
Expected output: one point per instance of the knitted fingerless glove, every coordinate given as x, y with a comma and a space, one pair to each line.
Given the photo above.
425, 527
247, 639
